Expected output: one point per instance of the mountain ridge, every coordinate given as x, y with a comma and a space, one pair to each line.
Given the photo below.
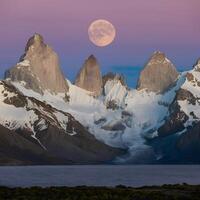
99, 118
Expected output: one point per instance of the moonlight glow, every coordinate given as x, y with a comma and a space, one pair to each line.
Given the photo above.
101, 32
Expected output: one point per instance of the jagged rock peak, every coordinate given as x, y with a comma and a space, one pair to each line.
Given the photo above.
158, 74
197, 65
39, 68
114, 76
158, 56
92, 58
89, 76
35, 40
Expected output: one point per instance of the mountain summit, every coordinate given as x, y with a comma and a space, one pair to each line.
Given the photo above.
158, 74
39, 68
89, 76
156, 123
197, 65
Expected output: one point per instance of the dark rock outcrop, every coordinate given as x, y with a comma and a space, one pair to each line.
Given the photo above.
89, 76
39, 68
158, 74
113, 76
197, 65
176, 119
117, 126
114, 87
190, 140
179, 137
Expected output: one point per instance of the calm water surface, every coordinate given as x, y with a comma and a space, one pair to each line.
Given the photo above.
99, 175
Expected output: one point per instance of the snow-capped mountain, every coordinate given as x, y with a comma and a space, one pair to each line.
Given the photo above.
43, 134
158, 122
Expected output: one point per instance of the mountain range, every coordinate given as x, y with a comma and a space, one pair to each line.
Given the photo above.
46, 119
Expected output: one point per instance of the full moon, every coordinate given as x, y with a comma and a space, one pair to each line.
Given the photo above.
101, 32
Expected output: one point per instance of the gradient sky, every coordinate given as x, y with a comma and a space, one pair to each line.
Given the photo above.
143, 26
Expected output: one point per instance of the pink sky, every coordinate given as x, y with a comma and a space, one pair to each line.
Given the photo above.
143, 26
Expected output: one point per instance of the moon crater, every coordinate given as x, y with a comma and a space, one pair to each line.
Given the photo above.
101, 32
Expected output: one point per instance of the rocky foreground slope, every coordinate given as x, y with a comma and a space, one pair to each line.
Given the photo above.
92, 120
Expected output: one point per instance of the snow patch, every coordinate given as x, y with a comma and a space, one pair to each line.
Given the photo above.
24, 63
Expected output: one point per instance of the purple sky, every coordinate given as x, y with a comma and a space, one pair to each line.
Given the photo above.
143, 26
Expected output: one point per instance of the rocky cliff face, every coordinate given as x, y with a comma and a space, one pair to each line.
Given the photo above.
158, 74
39, 68
89, 77
183, 112
114, 90
181, 127
197, 65
112, 76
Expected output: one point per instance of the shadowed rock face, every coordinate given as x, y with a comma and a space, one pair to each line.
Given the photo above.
39, 68
176, 119
197, 65
89, 77
158, 74
178, 138
112, 76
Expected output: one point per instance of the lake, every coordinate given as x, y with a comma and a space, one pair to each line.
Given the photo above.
99, 175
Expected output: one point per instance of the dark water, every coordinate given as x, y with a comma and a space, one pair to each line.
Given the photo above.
99, 175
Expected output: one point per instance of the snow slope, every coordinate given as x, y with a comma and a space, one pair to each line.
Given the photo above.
139, 115
19, 112
14, 117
